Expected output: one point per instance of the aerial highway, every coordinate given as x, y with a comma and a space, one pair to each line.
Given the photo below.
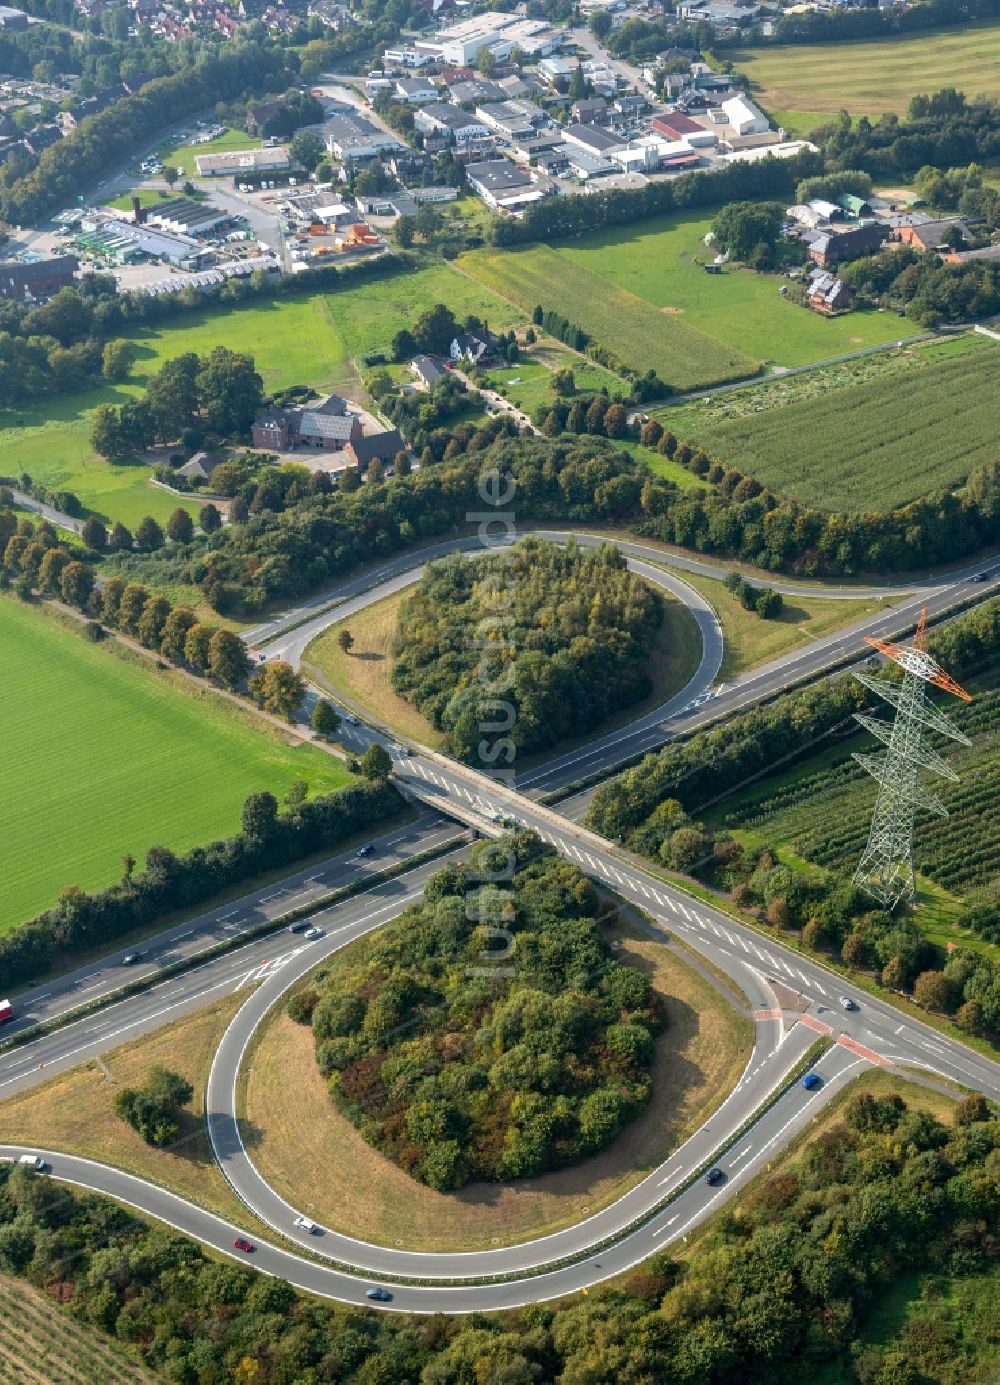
794, 999
701, 700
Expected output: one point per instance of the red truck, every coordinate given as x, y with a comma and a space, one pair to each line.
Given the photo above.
6, 1011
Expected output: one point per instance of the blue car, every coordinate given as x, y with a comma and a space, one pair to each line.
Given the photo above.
811, 1081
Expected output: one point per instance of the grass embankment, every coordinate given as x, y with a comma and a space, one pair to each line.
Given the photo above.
316, 1158
751, 641
105, 756
625, 323
74, 1113
364, 676
871, 76
41, 1347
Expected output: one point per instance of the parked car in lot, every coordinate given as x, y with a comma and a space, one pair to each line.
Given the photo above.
713, 1177
811, 1081
379, 1294
247, 1247
313, 933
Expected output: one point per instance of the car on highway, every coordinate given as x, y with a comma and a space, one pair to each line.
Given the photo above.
379, 1294
368, 850
714, 1176
6, 1011
130, 959
241, 1243
299, 926
306, 1225
980, 576
34, 1162
313, 933
811, 1081
352, 720
847, 1003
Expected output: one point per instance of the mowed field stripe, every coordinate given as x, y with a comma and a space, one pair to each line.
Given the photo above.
641, 335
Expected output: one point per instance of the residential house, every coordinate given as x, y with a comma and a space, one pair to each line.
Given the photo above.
40, 279
836, 244
200, 467
427, 371
352, 137
384, 446
629, 106
513, 120
414, 91
827, 294
37, 141
472, 348
590, 110
326, 425
459, 125
259, 113
475, 91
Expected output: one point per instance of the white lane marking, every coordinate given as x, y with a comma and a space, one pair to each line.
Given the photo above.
742, 1155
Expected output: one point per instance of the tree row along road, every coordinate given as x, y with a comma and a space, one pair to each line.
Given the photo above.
874, 1032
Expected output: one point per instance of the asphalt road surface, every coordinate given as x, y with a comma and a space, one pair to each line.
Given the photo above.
793, 998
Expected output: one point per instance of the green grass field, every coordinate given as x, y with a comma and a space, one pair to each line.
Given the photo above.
870, 77
642, 335
876, 444
660, 260
182, 156
104, 756
308, 339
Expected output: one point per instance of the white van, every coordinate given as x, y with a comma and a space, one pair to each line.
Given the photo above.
32, 1161
306, 1225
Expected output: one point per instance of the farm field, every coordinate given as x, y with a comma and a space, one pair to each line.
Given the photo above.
873, 445
821, 809
631, 327
691, 419
41, 1346
869, 77
105, 757
660, 261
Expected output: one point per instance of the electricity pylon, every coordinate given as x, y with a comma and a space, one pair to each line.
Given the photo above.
886, 868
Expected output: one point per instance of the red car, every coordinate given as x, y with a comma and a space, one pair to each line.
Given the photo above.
246, 1246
